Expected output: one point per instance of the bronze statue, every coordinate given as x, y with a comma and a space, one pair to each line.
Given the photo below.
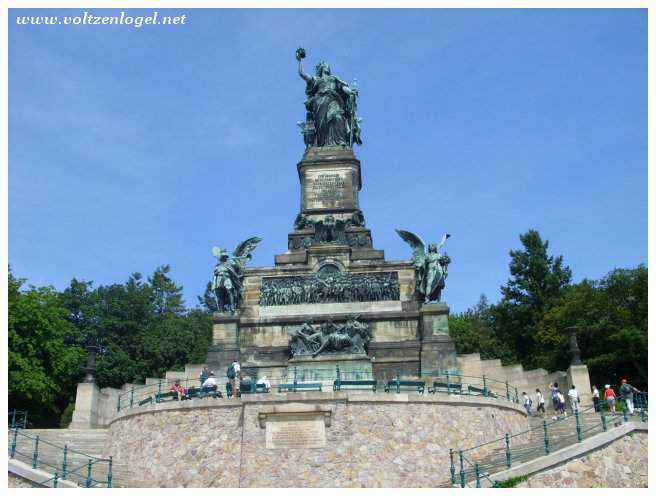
351, 337
229, 273
431, 267
331, 108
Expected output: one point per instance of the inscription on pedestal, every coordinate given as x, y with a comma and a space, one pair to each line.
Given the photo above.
287, 432
327, 187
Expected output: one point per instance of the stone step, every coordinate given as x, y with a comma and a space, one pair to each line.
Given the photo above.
81, 444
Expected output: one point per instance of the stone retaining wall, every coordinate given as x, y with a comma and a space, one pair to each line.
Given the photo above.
371, 440
622, 463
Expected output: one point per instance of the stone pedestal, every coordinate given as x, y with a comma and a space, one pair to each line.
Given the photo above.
330, 181
323, 368
438, 351
580, 377
225, 340
85, 415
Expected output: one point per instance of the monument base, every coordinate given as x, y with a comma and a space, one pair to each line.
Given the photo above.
324, 368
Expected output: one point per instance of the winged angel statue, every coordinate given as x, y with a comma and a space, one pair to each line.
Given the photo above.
430, 266
229, 273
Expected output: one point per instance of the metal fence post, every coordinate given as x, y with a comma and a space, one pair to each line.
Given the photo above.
546, 437
516, 396
13, 443
477, 469
35, 453
339, 378
54, 482
484, 386
603, 420
508, 453
448, 384
453, 467
625, 412
118, 403
65, 462
462, 469
295, 377
13, 418
159, 390
507, 391
109, 473
88, 481
579, 435
131, 397
398, 382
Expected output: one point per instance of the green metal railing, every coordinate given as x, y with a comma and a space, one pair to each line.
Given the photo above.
67, 463
17, 419
455, 383
478, 462
452, 380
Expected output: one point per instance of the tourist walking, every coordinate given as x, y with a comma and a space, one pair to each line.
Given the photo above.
595, 398
234, 377
626, 391
540, 401
573, 395
561, 403
527, 403
609, 396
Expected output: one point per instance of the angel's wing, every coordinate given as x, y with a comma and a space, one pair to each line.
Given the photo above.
245, 247
418, 247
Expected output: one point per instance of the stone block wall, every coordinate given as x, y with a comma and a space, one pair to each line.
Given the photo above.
373, 440
622, 463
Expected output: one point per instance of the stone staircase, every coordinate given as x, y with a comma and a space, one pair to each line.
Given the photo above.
560, 435
80, 442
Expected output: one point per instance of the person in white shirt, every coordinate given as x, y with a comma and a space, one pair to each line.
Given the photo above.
527, 403
573, 395
236, 381
265, 382
210, 381
540, 401
595, 398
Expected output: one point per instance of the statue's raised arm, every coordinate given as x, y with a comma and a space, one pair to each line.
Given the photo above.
300, 55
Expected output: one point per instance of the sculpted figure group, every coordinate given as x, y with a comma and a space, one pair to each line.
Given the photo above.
337, 287
351, 337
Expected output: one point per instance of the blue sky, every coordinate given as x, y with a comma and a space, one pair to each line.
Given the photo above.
133, 148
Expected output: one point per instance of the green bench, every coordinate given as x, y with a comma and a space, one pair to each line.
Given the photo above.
445, 387
252, 388
352, 384
168, 396
203, 392
419, 386
475, 390
299, 386
146, 401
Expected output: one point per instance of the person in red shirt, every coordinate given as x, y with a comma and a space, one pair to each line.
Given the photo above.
178, 388
610, 397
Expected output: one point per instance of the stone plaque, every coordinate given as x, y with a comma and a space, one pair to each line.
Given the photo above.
328, 188
288, 432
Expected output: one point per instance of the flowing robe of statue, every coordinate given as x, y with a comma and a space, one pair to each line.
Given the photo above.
331, 105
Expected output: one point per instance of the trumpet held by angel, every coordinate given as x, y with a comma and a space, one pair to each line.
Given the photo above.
431, 267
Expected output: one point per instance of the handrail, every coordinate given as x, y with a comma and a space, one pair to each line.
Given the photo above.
540, 444
17, 418
66, 469
485, 386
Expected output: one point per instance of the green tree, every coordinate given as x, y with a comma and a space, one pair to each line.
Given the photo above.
537, 281
43, 368
474, 332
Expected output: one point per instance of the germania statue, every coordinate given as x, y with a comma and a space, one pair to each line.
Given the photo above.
331, 108
229, 273
431, 267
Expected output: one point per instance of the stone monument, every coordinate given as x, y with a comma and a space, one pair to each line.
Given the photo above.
332, 300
